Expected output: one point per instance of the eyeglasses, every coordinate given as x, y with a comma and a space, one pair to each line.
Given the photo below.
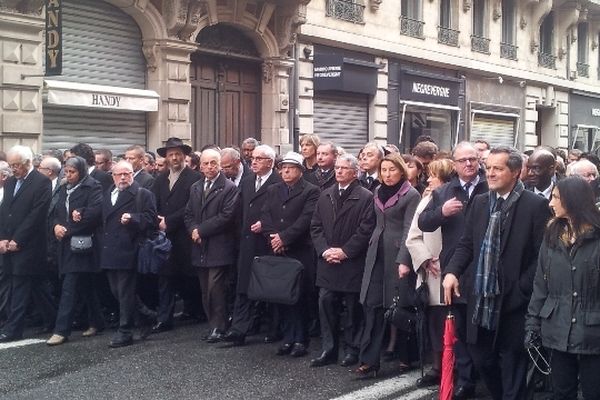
472, 160
342, 168
16, 165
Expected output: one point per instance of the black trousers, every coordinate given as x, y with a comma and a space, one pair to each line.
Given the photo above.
570, 370
502, 368
243, 315
330, 314
78, 286
24, 289
5, 286
123, 285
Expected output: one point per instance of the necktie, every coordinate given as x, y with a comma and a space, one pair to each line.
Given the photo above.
342, 192
499, 203
369, 180
258, 183
207, 185
18, 186
467, 186
114, 195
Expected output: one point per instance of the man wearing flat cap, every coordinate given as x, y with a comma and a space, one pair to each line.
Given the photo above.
172, 191
285, 222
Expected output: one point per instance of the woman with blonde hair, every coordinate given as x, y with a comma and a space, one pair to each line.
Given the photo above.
308, 148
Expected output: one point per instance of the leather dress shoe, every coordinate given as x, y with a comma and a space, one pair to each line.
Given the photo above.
298, 350
5, 338
284, 349
349, 360
236, 339
429, 379
162, 327
215, 336
121, 340
324, 359
463, 392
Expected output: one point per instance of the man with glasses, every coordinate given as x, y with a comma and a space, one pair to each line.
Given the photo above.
103, 160
447, 210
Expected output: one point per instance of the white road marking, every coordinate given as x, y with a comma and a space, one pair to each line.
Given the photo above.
389, 387
20, 343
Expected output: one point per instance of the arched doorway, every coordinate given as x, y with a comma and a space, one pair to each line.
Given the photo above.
226, 88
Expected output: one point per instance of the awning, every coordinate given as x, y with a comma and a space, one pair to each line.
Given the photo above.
71, 94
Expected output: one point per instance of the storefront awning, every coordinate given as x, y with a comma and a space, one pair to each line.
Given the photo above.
72, 94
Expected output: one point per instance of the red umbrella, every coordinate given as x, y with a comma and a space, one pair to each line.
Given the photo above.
447, 381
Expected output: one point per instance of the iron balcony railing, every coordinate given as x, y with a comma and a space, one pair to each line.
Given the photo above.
346, 10
480, 44
448, 36
547, 60
411, 27
508, 51
583, 69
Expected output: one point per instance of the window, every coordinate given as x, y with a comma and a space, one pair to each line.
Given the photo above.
479, 42
583, 68
546, 57
410, 18
507, 46
446, 33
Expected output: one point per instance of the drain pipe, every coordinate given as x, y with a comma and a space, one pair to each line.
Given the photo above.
294, 117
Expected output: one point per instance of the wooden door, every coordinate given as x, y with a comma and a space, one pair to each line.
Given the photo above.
225, 101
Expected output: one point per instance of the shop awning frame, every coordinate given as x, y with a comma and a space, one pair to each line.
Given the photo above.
406, 103
516, 116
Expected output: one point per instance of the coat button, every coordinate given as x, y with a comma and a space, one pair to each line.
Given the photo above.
281, 219
574, 294
573, 268
284, 206
574, 320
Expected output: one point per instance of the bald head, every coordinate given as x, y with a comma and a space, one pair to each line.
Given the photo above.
541, 167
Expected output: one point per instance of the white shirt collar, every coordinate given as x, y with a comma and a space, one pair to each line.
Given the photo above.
546, 193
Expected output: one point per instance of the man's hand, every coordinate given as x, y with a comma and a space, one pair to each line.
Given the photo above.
331, 256
276, 243
196, 236
13, 246
403, 270
256, 227
162, 225
532, 339
450, 285
3, 246
125, 218
59, 231
452, 207
76, 215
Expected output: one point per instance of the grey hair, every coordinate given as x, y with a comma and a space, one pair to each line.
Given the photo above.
24, 153
515, 160
52, 163
266, 150
5, 169
377, 146
333, 146
212, 153
463, 145
349, 158
123, 164
231, 152
251, 141
575, 167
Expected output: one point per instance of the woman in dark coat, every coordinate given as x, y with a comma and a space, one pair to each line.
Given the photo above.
564, 310
395, 204
77, 213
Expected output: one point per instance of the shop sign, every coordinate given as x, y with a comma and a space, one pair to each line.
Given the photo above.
336, 72
54, 42
426, 89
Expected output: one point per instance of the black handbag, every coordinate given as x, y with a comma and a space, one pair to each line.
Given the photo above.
153, 253
275, 279
403, 318
81, 244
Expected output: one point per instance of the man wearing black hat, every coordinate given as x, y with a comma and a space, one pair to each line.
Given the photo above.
172, 191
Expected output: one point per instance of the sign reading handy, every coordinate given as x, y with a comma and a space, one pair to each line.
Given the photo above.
53, 37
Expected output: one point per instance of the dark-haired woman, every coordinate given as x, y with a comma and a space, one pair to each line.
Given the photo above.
395, 204
564, 311
77, 213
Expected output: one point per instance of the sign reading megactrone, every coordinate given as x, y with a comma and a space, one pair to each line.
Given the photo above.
53, 37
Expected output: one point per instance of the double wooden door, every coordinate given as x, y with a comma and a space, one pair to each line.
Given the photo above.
225, 101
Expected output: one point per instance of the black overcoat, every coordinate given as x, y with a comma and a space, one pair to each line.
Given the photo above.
322, 182
252, 244
87, 199
214, 215
144, 179
24, 220
105, 179
347, 223
523, 231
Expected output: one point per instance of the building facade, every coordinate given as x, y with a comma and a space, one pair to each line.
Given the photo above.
513, 72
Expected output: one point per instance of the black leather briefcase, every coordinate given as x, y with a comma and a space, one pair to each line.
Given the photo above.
275, 279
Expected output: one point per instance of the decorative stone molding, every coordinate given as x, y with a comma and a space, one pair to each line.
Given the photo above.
523, 23
497, 13
467, 4
267, 71
151, 53
374, 4
23, 6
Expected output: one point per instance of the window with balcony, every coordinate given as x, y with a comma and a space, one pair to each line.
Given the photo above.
479, 40
447, 34
583, 66
508, 49
546, 57
346, 10
411, 23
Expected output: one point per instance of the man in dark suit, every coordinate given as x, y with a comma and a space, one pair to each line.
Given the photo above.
541, 170
172, 191
135, 156
285, 222
84, 151
324, 175
232, 165
341, 228
23, 216
253, 194
447, 210
248, 146
128, 214
370, 157
497, 255
210, 220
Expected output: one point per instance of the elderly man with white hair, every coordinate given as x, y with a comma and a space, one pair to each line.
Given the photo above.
23, 214
584, 168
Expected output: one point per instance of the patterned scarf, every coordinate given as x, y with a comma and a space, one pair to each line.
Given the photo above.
486, 287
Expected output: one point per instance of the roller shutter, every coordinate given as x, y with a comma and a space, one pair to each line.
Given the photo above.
495, 131
102, 45
342, 119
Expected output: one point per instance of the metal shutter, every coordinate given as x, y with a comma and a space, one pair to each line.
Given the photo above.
65, 127
342, 119
494, 130
102, 45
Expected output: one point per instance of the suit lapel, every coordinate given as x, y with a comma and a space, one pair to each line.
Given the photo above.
26, 183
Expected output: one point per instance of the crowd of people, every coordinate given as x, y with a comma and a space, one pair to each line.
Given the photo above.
508, 242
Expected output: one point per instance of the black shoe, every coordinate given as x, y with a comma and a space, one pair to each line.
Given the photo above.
236, 339
429, 379
349, 360
298, 350
162, 327
324, 359
121, 340
463, 393
215, 336
5, 338
284, 349
272, 339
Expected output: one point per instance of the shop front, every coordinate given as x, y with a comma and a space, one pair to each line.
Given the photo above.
584, 120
